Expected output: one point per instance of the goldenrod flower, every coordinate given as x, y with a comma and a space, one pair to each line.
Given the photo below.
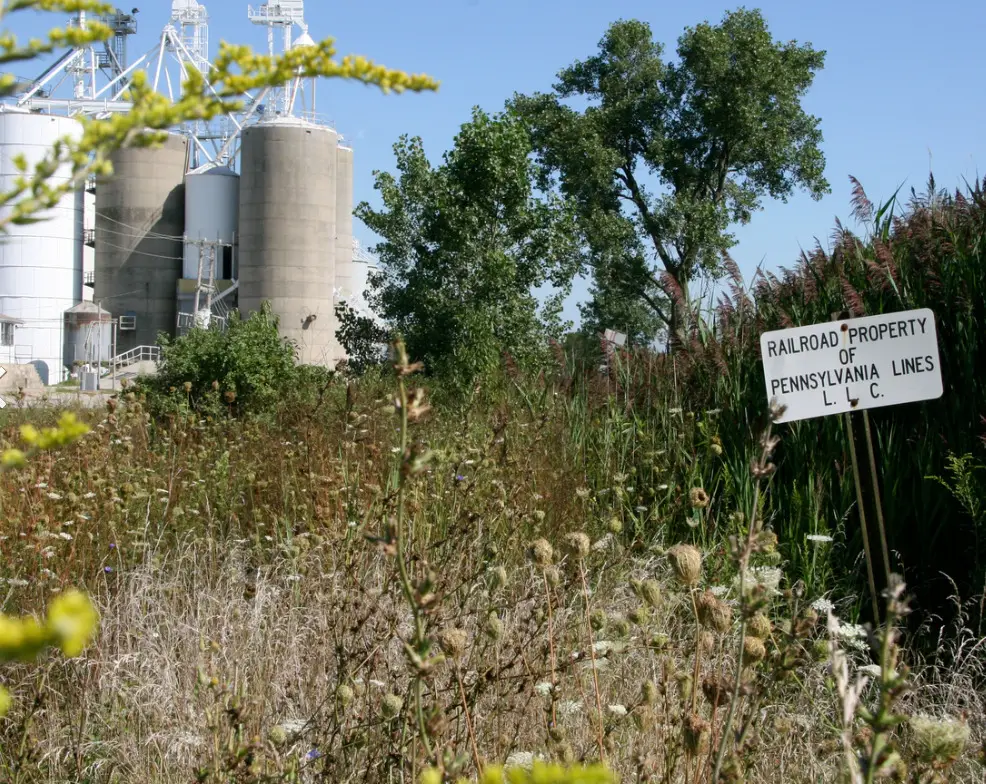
72, 622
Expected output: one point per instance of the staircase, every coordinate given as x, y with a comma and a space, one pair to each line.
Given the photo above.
138, 361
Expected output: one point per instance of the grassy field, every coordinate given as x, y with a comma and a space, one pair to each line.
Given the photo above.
372, 578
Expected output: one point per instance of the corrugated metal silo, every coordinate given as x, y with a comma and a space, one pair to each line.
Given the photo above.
287, 231
140, 221
40, 263
88, 335
212, 205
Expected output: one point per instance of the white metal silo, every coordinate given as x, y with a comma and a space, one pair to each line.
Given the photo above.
40, 263
89, 246
212, 206
88, 335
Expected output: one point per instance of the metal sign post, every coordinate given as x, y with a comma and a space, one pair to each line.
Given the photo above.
852, 365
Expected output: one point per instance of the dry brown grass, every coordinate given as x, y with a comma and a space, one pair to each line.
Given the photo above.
254, 615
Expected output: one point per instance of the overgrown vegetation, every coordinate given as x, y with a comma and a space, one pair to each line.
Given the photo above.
366, 587
520, 559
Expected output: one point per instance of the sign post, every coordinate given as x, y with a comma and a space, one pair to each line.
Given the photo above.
854, 364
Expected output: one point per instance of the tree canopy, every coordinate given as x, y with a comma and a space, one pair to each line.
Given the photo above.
667, 155
465, 244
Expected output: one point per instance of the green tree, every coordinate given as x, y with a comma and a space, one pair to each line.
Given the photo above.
668, 155
465, 245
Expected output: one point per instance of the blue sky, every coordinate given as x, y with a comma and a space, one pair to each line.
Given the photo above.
902, 91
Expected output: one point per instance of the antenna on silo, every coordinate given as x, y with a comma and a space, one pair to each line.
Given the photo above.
284, 14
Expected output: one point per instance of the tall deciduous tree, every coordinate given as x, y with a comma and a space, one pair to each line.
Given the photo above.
465, 245
669, 154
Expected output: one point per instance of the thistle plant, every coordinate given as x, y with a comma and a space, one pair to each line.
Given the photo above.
751, 648
419, 594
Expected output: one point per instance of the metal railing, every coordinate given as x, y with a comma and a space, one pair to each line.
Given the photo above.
137, 354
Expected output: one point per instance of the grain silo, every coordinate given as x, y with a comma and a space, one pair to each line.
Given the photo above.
212, 205
288, 231
140, 220
40, 263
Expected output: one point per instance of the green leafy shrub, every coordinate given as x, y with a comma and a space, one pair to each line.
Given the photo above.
248, 363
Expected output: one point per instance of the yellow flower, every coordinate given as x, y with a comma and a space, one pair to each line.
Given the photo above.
72, 621
21, 639
13, 458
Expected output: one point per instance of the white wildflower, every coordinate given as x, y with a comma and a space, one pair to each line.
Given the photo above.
822, 606
543, 688
819, 538
520, 759
618, 710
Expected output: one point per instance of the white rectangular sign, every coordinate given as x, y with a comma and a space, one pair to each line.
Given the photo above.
853, 364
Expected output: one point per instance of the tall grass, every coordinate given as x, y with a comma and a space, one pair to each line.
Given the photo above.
929, 252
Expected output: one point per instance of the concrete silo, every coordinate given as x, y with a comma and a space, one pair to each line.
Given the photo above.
344, 221
40, 263
288, 231
140, 221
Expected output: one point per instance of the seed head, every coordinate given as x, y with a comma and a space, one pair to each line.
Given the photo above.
344, 695
648, 692
696, 728
542, 553
578, 544
713, 613
753, 650
716, 690
938, 741
499, 578
597, 620
453, 642
391, 705
278, 736
707, 642
698, 497
493, 627
553, 575
650, 592
615, 525
686, 563
187, 386
759, 626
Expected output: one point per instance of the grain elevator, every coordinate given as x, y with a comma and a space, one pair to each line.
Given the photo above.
224, 215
